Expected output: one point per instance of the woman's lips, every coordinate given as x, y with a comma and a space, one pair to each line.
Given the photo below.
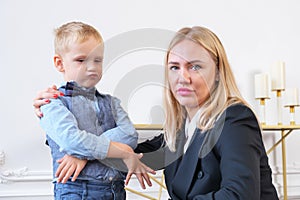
184, 91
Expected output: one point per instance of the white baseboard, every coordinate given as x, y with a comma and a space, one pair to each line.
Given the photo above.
293, 181
25, 184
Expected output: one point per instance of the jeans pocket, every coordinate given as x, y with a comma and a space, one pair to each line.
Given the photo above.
67, 192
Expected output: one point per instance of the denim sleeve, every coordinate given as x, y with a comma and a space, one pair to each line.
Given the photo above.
124, 132
61, 126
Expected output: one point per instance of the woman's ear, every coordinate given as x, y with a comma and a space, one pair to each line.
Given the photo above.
58, 63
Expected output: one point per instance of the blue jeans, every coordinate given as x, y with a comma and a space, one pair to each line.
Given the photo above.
90, 190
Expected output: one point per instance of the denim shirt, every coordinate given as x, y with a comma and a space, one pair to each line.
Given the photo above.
82, 126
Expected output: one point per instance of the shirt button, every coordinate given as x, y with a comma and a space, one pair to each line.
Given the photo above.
110, 178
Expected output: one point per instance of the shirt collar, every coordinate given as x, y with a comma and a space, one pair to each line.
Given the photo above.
72, 88
191, 125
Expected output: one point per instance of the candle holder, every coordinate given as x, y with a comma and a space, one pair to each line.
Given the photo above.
262, 110
279, 106
292, 115
278, 85
292, 101
262, 93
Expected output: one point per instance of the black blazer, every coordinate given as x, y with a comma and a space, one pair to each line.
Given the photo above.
226, 162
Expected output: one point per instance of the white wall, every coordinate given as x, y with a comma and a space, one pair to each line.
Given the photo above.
255, 34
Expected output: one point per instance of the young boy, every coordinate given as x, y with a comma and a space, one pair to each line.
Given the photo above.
81, 124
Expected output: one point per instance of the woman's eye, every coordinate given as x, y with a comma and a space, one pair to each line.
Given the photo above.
195, 67
173, 68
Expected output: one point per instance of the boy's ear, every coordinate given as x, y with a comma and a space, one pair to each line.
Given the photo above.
58, 63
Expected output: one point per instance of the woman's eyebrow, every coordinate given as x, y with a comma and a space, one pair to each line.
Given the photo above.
173, 63
188, 62
195, 61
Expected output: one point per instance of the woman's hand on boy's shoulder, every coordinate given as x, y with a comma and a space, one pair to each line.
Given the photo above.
44, 97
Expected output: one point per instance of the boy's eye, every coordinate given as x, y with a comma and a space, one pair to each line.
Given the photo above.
195, 67
98, 60
80, 60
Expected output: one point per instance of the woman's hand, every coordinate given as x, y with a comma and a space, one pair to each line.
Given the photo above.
133, 163
135, 166
43, 97
68, 166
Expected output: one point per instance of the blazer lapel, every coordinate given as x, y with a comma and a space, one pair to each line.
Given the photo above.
173, 159
186, 170
201, 145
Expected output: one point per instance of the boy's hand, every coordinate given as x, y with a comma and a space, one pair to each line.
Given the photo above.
68, 166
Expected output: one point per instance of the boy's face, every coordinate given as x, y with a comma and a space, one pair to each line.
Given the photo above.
82, 62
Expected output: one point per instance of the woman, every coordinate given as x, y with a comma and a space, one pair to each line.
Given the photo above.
232, 162
213, 143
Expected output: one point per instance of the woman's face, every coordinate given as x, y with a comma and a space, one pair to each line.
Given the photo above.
191, 74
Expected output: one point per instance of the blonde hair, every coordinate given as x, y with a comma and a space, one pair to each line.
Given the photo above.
224, 94
73, 32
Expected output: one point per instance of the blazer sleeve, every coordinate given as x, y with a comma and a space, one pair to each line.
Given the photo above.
150, 145
240, 147
154, 151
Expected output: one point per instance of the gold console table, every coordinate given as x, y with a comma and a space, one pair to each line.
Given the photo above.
285, 131
148, 126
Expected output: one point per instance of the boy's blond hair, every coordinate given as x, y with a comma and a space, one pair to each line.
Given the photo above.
73, 32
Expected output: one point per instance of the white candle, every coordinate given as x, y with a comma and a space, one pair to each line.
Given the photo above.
261, 82
278, 76
291, 97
